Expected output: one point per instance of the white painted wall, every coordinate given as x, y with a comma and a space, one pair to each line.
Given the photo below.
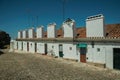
51, 31
19, 34
20, 46
15, 45
109, 54
53, 48
31, 33
78, 54
71, 54
32, 47
96, 56
24, 32
41, 48
69, 29
40, 31
11, 46
95, 26
104, 56
25, 46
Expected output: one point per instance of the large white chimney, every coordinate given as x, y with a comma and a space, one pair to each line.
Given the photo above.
31, 33
95, 26
19, 34
39, 32
24, 32
51, 31
69, 28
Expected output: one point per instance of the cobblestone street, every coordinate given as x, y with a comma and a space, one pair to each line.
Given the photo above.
19, 66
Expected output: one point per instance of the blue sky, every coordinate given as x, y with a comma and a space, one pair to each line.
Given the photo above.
23, 14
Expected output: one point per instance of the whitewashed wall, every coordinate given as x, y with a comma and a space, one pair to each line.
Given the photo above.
104, 56
70, 53
69, 29
20, 46
31, 33
51, 31
15, 45
24, 32
11, 46
78, 54
41, 48
32, 47
95, 26
96, 56
53, 48
25, 46
40, 31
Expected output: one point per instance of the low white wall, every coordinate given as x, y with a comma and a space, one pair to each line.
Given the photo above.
41, 48
105, 55
20, 45
25, 46
53, 48
11, 46
15, 45
70, 51
96, 56
32, 47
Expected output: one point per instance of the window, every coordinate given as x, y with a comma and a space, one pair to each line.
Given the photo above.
78, 34
98, 49
59, 35
52, 46
60, 48
70, 48
31, 44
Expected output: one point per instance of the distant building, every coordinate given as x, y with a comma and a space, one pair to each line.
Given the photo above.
97, 44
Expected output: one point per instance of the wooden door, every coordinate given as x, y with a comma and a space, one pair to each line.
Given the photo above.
116, 58
27, 46
35, 47
83, 58
83, 54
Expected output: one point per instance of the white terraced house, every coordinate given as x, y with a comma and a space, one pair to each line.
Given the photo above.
96, 43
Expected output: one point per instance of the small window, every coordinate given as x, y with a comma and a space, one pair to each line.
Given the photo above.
59, 35
98, 49
52, 46
45, 35
78, 34
107, 34
70, 48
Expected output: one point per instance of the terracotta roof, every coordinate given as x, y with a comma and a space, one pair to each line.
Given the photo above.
112, 30
45, 34
81, 32
59, 33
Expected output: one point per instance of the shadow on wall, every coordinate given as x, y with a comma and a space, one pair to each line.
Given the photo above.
1, 52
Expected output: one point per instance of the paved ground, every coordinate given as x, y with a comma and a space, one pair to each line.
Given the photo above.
18, 66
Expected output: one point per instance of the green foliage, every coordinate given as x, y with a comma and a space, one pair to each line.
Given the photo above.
4, 39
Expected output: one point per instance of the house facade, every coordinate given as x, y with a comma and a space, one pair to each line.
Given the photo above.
96, 47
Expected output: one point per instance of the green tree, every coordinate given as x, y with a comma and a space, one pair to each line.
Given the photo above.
4, 39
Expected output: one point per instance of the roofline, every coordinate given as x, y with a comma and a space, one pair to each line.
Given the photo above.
95, 39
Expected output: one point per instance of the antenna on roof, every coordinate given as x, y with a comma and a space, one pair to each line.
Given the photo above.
63, 2
37, 21
28, 17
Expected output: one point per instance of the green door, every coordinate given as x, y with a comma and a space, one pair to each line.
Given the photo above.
60, 54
